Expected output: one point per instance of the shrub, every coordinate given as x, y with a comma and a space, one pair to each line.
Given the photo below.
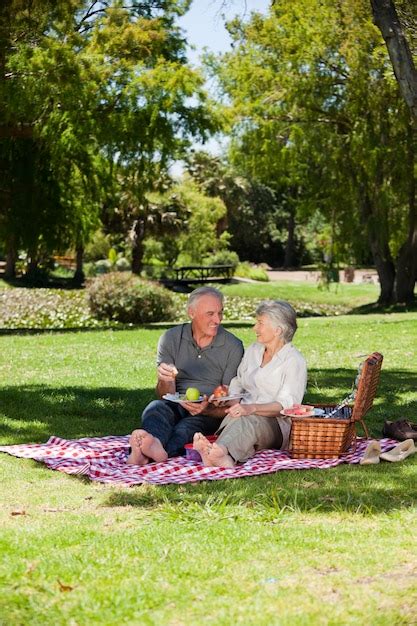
254, 272
98, 247
123, 297
90, 269
103, 266
154, 272
122, 264
224, 257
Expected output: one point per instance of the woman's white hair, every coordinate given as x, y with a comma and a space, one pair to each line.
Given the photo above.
281, 314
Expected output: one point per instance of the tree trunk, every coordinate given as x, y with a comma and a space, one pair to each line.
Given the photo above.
137, 235
386, 18
386, 274
79, 275
222, 225
406, 272
289, 246
11, 257
32, 266
16, 131
381, 254
407, 258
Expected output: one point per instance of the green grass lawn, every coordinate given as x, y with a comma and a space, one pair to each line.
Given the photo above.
344, 294
293, 548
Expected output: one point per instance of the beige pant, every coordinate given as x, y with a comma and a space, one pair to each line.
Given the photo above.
243, 436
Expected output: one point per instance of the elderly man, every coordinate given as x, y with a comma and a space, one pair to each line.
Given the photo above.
200, 354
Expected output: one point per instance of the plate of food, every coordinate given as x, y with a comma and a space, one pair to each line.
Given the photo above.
191, 395
299, 410
237, 396
221, 393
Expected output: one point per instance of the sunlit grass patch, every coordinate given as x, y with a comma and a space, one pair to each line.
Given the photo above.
295, 547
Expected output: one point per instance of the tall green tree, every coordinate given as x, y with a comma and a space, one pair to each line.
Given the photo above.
315, 106
400, 52
100, 88
182, 224
252, 207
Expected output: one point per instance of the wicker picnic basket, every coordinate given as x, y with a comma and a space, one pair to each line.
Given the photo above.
325, 438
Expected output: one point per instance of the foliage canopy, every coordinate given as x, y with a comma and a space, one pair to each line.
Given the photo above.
314, 106
99, 97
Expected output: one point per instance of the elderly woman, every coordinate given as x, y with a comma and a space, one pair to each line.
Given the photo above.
273, 376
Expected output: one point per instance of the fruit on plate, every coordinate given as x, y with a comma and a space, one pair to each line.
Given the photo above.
192, 394
302, 409
220, 392
299, 410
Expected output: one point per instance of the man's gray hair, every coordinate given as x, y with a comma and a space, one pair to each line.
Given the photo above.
281, 314
203, 291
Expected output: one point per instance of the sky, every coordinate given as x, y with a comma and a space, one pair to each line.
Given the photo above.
204, 27
204, 22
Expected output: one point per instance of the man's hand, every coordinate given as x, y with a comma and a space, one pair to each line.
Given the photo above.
195, 408
167, 372
206, 407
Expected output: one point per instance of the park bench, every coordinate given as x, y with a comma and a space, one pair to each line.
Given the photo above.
65, 261
368, 278
198, 274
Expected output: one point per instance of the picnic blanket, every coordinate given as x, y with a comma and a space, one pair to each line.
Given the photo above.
104, 459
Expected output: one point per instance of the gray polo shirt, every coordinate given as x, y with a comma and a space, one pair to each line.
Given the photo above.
204, 368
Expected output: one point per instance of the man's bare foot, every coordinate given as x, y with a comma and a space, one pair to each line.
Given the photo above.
136, 457
203, 446
152, 447
219, 457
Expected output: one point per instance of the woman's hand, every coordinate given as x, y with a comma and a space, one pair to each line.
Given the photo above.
217, 395
239, 410
219, 401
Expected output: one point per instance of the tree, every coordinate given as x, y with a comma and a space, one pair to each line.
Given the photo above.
252, 207
99, 88
192, 217
315, 109
201, 239
387, 20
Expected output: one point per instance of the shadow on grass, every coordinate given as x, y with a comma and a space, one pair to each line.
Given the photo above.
354, 489
33, 412
375, 307
388, 404
43, 281
160, 326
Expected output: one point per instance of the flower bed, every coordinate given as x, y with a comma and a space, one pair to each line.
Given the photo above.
64, 309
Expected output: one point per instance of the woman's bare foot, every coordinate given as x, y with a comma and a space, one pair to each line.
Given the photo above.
152, 447
136, 457
212, 454
219, 457
203, 446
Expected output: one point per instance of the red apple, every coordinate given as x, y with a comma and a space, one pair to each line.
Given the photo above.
220, 392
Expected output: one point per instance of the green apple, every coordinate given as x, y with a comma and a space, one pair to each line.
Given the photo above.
192, 394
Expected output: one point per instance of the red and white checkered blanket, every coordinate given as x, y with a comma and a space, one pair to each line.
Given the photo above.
104, 459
